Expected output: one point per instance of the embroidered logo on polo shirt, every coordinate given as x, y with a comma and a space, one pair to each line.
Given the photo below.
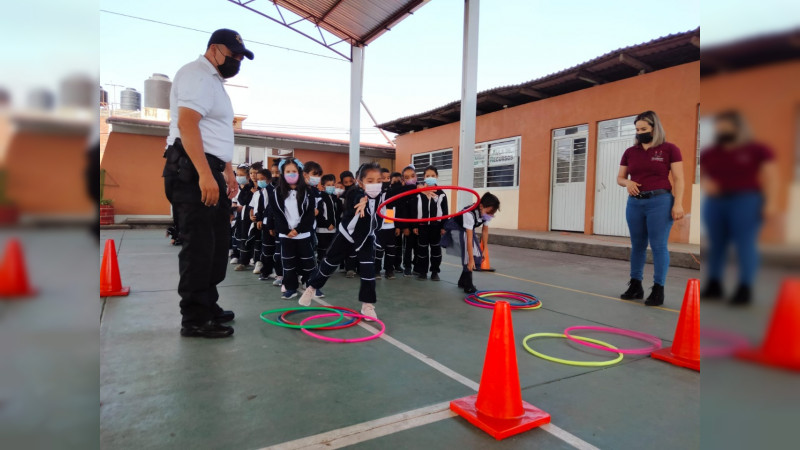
658, 156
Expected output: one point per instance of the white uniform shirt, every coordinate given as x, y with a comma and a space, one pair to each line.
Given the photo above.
293, 215
198, 86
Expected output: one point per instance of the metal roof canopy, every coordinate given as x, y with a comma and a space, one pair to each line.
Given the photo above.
359, 22
354, 23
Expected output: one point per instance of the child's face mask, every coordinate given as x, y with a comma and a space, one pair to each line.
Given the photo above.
373, 189
330, 190
241, 179
262, 184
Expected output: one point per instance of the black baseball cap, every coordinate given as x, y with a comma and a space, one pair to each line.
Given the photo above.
230, 39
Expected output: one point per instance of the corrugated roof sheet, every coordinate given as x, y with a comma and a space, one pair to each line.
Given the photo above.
358, 21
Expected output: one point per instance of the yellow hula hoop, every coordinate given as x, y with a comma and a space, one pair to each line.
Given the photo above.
566, 361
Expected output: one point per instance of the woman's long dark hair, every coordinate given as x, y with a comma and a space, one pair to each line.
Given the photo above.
283, 186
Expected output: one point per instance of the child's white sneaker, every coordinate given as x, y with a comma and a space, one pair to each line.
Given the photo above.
278, 281
234, 260
259, 266
308, 294
368, 309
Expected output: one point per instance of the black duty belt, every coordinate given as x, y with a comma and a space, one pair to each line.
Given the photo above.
649, 194
215, 163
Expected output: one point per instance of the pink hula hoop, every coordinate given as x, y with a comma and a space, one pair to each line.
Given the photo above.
344, 341
423, 189
733, 343
654, 340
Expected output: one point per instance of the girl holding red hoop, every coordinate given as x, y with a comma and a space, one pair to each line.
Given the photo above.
357, 231
470, 247
429, 234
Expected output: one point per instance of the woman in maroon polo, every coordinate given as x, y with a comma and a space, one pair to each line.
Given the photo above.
653, 202
739, 180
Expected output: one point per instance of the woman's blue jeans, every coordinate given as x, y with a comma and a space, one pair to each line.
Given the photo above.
733, 219
650, 220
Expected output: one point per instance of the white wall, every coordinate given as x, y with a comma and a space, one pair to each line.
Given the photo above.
694, 220
508, 217
793, 215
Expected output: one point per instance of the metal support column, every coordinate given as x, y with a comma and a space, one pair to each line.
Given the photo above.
356, 86
469, 92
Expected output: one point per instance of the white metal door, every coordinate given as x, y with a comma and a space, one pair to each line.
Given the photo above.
568, 189
610, 199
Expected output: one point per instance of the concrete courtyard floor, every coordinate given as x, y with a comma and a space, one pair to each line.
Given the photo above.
267, 385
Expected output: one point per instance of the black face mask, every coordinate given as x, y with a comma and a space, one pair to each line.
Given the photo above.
726, 138
645, 138
385, 185
229, 68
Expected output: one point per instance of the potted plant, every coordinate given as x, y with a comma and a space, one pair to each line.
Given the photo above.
9, 212
106, 205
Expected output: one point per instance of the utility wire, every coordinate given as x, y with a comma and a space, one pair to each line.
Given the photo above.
208, 32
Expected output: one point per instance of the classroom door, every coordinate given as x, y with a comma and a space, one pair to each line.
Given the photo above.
610, 199
568, 190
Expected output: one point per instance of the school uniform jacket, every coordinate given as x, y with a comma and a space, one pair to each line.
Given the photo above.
330, 213
305, 206
263, 212
406, 207
357, 229
431, 207
389, 193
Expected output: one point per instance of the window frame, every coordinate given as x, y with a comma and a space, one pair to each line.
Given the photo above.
420, 169
485, 148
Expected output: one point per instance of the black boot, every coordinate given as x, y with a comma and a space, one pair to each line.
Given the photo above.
742, 296
656, 297
712, 291
461, 279
469, 288
634, 291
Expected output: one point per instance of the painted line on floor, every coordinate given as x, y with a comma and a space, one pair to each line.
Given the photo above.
366, 434
373, 429
569, 289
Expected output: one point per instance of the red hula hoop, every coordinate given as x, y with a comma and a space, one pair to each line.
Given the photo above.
423, 189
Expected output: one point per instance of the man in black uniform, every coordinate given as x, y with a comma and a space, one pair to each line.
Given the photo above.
199, 181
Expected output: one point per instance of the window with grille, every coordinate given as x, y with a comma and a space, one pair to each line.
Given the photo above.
570, 151
496, 163
441, 159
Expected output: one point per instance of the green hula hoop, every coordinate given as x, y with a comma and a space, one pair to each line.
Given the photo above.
301, 327
566, 361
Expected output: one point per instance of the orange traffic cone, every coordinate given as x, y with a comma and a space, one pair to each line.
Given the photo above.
110, 282
498, 408
781, 347
13, 274
486, 265
685, 350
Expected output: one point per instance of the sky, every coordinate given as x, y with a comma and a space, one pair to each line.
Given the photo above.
414, 67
